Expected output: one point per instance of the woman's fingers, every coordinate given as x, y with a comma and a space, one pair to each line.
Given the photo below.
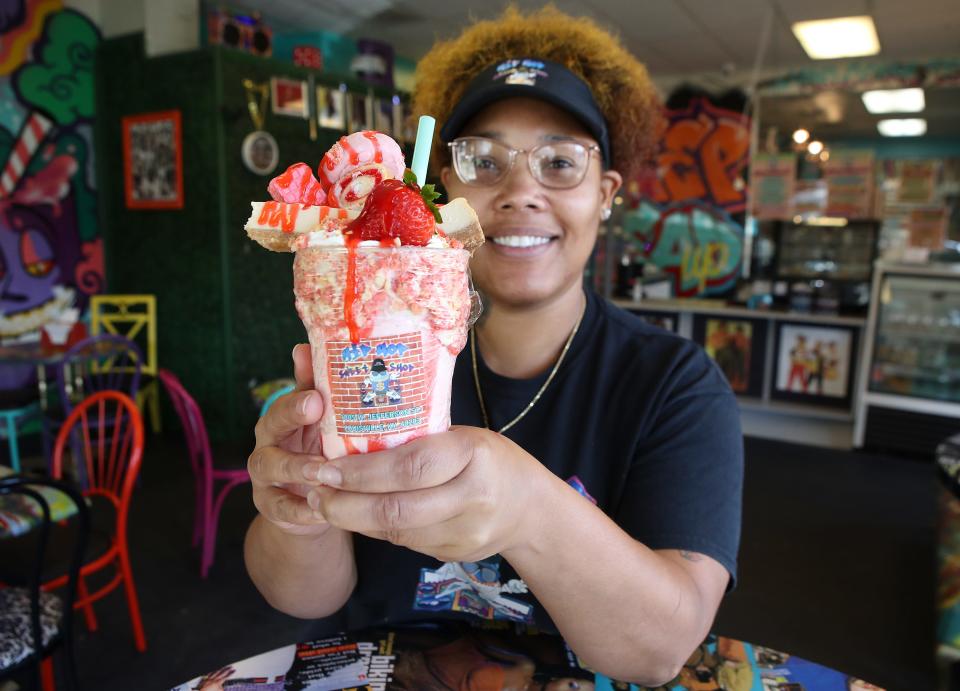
389, 516
285, 509
288, 415
303, 367
272, 465
429, 461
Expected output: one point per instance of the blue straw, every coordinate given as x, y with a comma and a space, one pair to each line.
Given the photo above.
421, 149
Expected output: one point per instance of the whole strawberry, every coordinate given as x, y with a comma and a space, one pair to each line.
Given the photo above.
400, 210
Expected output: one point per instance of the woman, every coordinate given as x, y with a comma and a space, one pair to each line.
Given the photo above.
596, 470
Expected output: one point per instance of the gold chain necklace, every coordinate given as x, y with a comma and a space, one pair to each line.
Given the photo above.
553, 373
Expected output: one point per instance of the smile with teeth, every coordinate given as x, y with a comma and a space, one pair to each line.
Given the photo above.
520, 240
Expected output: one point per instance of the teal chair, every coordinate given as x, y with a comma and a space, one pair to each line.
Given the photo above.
10, 420
283, 391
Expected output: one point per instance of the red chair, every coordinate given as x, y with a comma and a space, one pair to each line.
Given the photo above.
205, 476
105, 434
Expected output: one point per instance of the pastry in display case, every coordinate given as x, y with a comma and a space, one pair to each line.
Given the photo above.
910, 388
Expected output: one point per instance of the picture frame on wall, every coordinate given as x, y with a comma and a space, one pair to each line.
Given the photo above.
383, 116
399, 115
737, 345
814, 364
289, 97
153, 160
330, 108
359, 112
668, 321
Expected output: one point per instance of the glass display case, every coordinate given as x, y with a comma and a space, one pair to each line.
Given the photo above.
917, 340
838, 253
910, 374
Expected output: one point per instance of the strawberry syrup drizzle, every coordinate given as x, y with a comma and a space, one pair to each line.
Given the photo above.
354, 154
378, 153
285, 179
279, 215
351, 240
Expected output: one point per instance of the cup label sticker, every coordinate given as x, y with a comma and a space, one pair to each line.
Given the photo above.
378, 385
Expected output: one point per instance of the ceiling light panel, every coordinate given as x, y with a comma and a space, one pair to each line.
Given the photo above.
843, 37
894, 101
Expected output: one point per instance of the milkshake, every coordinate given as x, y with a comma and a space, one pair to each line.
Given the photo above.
381, 283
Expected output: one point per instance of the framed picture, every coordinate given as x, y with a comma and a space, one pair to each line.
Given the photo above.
330, 108
359, 112
289, 97
737, 346
153, 160
383, 116
814, 364
398, 114
668, 321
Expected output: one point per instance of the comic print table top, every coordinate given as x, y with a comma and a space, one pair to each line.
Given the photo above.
498, 656
19, 514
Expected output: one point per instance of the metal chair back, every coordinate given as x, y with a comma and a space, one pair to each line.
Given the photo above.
105, 362
29, 487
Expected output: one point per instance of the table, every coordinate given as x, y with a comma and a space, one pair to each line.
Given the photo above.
20, 514
458, 655
40, 355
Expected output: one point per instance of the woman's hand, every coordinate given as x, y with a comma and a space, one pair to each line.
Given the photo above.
283, 466
460, 495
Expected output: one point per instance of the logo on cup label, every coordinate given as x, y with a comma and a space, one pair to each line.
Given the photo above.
378, 385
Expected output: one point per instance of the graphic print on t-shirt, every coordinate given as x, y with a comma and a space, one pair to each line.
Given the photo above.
475, 587
472, 588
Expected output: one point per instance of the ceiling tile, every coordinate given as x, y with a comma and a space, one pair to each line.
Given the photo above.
803, 10
690, 54
643, 19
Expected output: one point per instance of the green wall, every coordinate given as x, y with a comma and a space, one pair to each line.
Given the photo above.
225, 306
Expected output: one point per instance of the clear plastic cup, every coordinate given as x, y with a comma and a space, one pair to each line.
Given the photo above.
384, 363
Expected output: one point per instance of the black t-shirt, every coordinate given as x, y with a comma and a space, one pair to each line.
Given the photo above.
637, 419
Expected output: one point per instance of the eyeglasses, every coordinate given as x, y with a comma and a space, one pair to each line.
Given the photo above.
483, 162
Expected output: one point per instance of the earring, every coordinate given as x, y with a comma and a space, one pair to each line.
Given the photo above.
605, 214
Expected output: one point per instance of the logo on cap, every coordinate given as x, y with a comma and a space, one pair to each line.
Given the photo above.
523, 72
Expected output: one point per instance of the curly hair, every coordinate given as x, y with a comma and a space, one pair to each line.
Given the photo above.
620, 84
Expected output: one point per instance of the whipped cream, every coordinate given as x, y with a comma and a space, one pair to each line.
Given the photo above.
334, 238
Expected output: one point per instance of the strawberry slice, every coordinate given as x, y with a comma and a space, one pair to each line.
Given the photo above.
397, 210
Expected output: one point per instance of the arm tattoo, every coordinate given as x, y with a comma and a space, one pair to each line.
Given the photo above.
690, 556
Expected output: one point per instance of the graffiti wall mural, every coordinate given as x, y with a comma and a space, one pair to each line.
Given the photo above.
51, 254
687, 217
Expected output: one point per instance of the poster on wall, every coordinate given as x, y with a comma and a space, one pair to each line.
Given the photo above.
383, 116
359, 112
849, 176
917, 181
737, 346
153, 160
331, 109
814, 364
289, 97
772, 186
927, 227
810, 198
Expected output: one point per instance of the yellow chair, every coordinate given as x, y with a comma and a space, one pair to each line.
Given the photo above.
133, 316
